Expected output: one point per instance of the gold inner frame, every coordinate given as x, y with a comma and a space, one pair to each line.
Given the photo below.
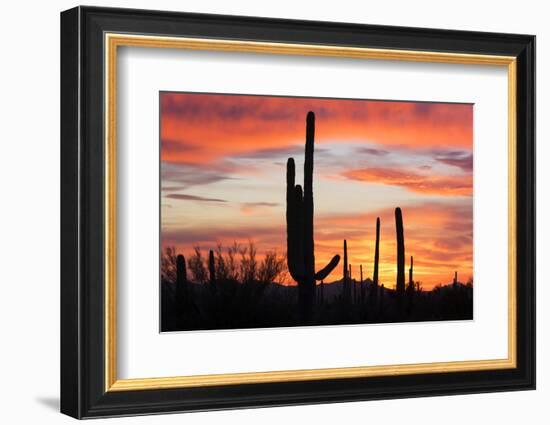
113, 41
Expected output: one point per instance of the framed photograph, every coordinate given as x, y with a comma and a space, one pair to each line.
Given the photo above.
261, 212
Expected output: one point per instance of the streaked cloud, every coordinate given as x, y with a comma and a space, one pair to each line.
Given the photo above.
464, 161
182, 176
248, 208
186, 197
373, 151
413, 181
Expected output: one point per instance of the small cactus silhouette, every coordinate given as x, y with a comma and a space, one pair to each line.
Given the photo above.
361, 284
346, 284
352, 286
181, 288
212, 267
181, 270
410, 286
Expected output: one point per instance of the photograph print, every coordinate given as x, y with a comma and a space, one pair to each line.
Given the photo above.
302, 211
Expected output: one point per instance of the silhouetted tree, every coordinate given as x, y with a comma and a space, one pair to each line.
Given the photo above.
231, 262
168, 264
222, 272
197, 267
271, 268
249, 265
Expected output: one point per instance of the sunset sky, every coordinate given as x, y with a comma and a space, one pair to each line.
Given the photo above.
223, 177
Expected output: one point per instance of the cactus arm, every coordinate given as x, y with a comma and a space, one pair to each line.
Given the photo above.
299, 201
296, 265
290, 176
325, 271
292, 233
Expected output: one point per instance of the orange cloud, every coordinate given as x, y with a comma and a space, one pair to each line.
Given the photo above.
201, 128
249, 208
415, 182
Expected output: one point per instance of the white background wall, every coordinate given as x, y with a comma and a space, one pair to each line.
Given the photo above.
29, 224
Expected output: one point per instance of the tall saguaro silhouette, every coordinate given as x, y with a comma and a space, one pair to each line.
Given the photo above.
181, 289
299, 225
376, 256
212, 267
411, 282
400, 284
352, 286
361, 284
346, 285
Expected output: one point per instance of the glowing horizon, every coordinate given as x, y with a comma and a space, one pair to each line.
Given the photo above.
224, 166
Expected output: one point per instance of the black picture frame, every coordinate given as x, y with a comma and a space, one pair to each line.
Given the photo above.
83, 392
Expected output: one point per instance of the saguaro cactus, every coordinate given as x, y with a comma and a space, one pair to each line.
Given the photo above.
212, 268
410, 287
181, 270
346, 285
181, 289
400, 284
411, 284
361, 284
299, 224
455, 280
376, 255
352, 283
